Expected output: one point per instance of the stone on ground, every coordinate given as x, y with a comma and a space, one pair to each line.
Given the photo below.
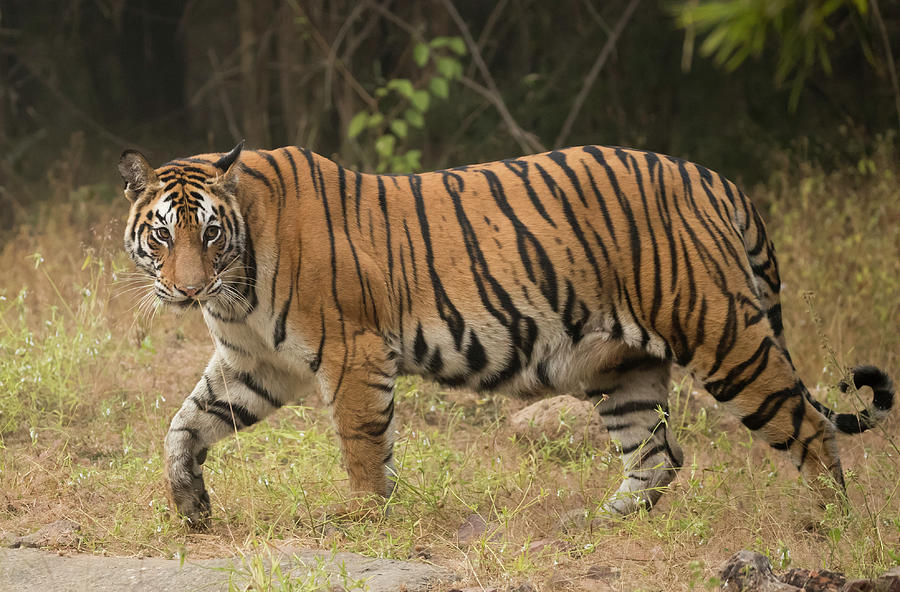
33, 570
559, 417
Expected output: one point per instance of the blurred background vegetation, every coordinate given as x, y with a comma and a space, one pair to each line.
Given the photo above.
402, 85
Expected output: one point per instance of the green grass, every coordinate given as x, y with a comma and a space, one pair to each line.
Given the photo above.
88, 390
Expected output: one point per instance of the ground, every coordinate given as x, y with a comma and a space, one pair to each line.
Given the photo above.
89, 379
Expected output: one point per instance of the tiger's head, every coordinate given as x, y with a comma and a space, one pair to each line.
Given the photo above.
184, 229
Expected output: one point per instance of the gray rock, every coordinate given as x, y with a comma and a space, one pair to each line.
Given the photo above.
558, 417
27, 570
474, 528
62, 533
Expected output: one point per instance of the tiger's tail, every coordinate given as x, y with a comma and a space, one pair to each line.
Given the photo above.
882, 401
761, 255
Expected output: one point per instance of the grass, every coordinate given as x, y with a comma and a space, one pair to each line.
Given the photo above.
87, 389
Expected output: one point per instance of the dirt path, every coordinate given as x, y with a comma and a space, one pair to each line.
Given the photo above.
26, 570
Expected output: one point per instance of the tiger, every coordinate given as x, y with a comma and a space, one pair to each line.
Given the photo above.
588, 270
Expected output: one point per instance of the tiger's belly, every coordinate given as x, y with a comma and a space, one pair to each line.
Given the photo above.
527, 357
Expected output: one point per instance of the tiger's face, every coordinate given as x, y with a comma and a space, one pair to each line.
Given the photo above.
184, 229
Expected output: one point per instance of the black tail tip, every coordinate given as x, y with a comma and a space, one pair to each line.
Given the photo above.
877, 380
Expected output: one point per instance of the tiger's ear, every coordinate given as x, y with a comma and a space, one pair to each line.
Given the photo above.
229, 165
137, 173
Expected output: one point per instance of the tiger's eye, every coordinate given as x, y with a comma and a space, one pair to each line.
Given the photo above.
211, 233
162, 234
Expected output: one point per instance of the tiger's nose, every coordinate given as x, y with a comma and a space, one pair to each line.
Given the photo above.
190, 291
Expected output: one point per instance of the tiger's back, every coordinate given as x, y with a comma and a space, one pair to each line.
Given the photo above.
538, 272
587, 270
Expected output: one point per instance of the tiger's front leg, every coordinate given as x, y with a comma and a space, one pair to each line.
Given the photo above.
360, 391
224, 401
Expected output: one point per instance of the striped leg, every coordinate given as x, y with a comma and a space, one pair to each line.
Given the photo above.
757, 382
635, 416
223, 402
360, 390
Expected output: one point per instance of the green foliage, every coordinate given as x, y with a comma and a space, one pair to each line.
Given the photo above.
45, 356
803, 33
403, 104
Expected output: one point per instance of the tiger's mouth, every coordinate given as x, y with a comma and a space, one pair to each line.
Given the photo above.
182, 299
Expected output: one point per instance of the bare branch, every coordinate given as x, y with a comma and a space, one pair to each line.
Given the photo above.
390, 16
64, 100
594, 71
526, 140
368, 99
227, 109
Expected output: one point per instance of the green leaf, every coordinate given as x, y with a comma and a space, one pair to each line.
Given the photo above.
420, 54
399, 127
357, 124
375, 120
420, 100
413, 160
381, 92
439, 87
402, 86
414, 118
457, 45
384, 145
450, 68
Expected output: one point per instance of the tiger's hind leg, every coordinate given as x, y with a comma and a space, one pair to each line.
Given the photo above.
757, 382
635, 414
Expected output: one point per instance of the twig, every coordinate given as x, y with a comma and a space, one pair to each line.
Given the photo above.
594, 71
892, 70
332, 56
462, 128
233, 127
488, 30
338, 63
527, 141
87, 119
390, 16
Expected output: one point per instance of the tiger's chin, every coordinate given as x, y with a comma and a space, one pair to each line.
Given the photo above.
180, 305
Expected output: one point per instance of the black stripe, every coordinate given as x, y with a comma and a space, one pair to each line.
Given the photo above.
445, 307
476, 356
729, 387
258, 389
520, 169
280, 324
342, 192
613, 408
229, 410
647, 453
770, 406
543, 275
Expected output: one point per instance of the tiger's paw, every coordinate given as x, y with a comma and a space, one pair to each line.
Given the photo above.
191, 501
195, 510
